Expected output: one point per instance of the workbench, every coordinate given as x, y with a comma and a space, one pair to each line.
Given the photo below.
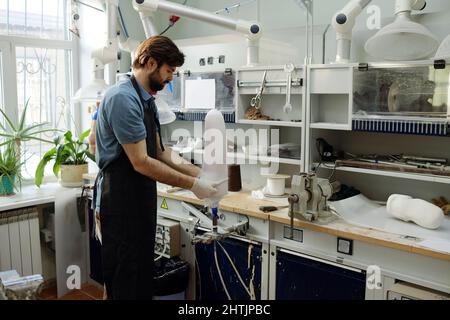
394, 257
378, 258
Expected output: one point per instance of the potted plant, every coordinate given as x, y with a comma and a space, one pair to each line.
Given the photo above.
70, 155
22, 132
9, 168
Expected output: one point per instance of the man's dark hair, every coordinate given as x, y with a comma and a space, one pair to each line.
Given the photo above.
160, 48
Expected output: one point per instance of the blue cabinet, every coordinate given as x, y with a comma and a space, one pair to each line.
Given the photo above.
300, 278
247, 259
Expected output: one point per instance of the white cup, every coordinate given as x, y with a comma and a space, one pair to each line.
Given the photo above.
276, 185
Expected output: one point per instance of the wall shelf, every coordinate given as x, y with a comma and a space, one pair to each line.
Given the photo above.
329, 126
272, 123
385, 173
233, 156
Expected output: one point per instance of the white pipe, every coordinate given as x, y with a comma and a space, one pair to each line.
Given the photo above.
129, 45
111, 14
149, 27
409, 5
343, 50
252, 52
251, 30
344, 22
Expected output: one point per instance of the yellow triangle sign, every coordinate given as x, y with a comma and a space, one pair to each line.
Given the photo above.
164, 204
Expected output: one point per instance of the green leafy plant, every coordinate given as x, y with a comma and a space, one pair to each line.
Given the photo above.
10, 165
68, 150
22, 132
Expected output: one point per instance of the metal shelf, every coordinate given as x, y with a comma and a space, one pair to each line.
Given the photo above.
330, 126
242, 156
272, 123
394, 174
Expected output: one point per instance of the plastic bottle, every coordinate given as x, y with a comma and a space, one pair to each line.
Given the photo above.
214, 167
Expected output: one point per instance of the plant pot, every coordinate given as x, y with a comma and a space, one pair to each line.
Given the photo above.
7, 185
72, 175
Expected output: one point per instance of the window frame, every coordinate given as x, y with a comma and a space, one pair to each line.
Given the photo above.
8, 45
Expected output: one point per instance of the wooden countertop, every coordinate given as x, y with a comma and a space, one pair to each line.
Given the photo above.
341, 228
236, 202
243, 203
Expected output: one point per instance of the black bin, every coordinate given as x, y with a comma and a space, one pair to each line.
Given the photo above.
171, 279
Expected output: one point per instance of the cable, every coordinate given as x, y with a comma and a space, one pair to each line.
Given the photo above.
163, 234
318, 166
197, 269
88, 5
333, 172
167, 29
237, 273
122, 23
220, 273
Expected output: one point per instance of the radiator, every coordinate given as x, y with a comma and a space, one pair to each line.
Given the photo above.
20, 247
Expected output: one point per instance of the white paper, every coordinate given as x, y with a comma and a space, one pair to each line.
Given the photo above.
436, 244
200, 94
362, 211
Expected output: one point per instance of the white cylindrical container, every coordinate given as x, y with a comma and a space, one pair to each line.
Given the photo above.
214, 166
421, 212
276, 185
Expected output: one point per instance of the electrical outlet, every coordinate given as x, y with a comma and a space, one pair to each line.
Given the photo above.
345, 246
297, 234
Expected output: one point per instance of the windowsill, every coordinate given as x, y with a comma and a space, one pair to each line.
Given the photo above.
30, 195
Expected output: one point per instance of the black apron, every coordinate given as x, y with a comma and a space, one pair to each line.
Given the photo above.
128, 220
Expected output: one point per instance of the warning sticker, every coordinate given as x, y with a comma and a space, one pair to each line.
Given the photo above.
164, 204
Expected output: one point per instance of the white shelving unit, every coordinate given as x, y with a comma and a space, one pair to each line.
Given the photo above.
330, 96
331, 109
291, 125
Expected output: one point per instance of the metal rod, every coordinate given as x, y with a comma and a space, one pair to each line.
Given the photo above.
193, 13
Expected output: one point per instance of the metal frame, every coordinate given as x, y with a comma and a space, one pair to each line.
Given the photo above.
258, 232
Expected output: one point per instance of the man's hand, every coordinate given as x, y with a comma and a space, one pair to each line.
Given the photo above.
203, 188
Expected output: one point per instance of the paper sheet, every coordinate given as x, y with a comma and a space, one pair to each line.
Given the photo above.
200, 94
362, 211
436, 244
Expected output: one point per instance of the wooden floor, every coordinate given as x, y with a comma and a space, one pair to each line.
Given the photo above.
87, 292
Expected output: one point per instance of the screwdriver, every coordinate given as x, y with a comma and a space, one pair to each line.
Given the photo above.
266, 209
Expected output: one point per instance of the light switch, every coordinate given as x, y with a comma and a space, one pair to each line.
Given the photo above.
345, 246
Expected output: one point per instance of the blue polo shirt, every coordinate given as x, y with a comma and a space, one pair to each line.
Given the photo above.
120, 121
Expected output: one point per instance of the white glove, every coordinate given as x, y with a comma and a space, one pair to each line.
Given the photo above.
203, 188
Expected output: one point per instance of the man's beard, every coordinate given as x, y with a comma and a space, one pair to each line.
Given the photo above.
153, 83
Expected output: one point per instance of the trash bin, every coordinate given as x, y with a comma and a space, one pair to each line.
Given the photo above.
171, 279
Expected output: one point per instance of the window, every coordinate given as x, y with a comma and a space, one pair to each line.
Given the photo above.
2, 100
45, 19
41, 64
